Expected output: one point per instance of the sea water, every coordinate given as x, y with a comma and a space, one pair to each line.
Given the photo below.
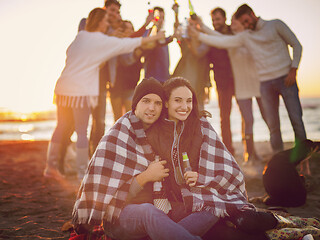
42, 130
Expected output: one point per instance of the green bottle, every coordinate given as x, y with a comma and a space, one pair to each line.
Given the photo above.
186, 162
193, 15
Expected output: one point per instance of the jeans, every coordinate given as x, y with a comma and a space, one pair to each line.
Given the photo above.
245, 106
225, 105
141, 220
270, 91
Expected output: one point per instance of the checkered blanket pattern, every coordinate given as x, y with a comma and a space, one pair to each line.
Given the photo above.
124, 153
221, 181
121, 154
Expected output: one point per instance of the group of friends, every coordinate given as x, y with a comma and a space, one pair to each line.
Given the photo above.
135, 183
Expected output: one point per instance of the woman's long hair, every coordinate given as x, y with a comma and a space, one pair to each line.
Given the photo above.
94, 18
192, 123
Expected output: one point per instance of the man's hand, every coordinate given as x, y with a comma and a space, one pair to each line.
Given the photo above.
198, 20
154, 173
175, 8
191, 178
150, 17
193, 32
291, 78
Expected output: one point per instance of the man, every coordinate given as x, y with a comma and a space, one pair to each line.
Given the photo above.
98, 114
157, 58
268, 43
223, 77
122, 171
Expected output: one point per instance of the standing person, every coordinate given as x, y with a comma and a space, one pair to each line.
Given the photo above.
247, 86
214, 183
112, 8
127, 72
268, 43
122, 164
99, 113
194, 62
128, 68
157, 62
77, 88
223, 77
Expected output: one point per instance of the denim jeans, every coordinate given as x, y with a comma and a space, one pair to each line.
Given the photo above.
270, 92
245, 106
137, 221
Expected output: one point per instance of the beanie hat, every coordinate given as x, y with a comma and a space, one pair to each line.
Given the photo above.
147, 86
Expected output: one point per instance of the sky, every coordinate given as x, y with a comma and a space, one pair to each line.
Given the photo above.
36, 33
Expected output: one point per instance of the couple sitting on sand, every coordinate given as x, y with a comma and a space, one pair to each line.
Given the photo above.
134, 196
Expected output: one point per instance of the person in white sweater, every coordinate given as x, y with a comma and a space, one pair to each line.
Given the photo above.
268, 41
77, 88
247, 86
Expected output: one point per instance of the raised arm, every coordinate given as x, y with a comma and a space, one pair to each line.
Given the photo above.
221, 41
143, 28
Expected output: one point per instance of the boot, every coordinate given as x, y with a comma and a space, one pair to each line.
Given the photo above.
250, 156
82, 159
53, 156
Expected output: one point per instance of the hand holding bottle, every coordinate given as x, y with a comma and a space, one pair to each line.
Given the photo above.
150, 17
191, 178
193, 32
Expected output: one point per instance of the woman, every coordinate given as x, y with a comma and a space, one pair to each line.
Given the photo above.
194, 61
216, 183
247, 86
77, 89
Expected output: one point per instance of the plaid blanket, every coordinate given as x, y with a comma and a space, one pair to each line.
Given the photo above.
124, 153
121, 154
221, 182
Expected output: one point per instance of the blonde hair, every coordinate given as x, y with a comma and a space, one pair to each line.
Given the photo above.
94, 18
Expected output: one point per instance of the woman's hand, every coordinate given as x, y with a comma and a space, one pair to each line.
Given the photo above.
191, 178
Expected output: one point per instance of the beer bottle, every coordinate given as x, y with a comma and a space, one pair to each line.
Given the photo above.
157, 186
193, 15
186, 162
159, 199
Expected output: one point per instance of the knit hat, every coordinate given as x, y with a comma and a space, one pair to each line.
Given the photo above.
147, 86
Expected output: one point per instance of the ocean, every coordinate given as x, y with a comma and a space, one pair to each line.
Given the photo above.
42, 130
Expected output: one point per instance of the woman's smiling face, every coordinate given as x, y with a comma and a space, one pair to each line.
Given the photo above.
179, 104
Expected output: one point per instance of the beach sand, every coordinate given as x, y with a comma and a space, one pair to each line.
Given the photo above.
32, 207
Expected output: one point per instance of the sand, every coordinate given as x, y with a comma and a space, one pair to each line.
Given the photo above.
32, 207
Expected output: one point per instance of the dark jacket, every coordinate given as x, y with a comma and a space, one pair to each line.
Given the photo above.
162, 136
